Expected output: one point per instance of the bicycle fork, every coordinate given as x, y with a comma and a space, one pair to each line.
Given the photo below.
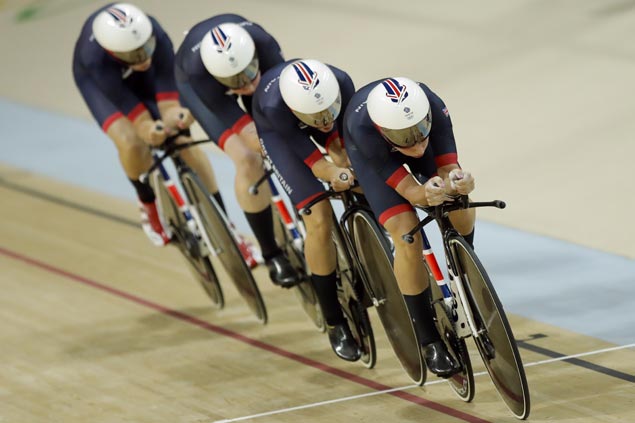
453, 293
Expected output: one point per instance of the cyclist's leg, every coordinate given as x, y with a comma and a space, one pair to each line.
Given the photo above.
257, 208
134, 154
398, 217
135, 158
213, 126
302, 186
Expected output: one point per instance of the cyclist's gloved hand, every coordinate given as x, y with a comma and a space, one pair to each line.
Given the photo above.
185, 118
157, 133
435, 191
178, 118
342, 179
461, 181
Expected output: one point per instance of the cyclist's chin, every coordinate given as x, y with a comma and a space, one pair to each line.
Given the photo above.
416, 151
412, 152
143, 66
326, 129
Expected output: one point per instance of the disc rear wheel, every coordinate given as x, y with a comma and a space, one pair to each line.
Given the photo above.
224, 245
376, 261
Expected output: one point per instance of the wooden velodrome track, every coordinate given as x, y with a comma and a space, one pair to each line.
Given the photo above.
96, 325
99, 326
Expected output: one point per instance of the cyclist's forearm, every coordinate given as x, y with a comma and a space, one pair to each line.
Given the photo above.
323, 169
143, 126
338, 154
169, 110
410, 189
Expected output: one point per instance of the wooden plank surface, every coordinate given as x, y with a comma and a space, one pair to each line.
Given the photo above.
98, 325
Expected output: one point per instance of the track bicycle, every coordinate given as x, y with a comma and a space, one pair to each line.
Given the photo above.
200, 228
289, 232
364, 261
466, 305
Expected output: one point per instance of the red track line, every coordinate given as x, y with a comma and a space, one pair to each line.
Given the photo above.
242, 338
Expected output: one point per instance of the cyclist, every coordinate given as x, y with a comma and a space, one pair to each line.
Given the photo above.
389, 124
298, 102
123, 65
218, 64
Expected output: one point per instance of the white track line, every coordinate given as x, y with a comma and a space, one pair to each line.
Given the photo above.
316, 404
551, 360
404, 388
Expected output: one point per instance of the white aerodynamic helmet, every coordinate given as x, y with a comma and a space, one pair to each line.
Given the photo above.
310, 89
126, 32
229, 54
401, 110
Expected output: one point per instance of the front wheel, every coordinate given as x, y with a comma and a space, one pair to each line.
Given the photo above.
188, 244
495, 340
224, 244
376, 262
461, 383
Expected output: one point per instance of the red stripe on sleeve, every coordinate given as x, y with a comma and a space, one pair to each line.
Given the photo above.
446, 159
314, 157
139, 108
110, 120
393, 211
168, 95
241, 123
397, 177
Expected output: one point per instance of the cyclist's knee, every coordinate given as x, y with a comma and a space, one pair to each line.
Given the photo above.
248, 164
320, 222
401, 224
130, 146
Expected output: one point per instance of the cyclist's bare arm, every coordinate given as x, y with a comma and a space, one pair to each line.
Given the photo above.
174, 115
250, 136
338, 154
151, 131
429, 194
331, 173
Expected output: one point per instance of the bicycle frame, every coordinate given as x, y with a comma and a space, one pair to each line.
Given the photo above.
462, 317
462, 320
290, 223
190, 213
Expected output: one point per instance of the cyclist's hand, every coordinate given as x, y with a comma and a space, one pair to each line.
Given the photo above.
435, 191
185, 118
461, 181
342, 179
178, 118
157, 133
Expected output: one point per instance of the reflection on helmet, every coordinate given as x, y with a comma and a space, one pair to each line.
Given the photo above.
125, 32
310, 89
401, 111
138, 55
323, 118
229, 54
